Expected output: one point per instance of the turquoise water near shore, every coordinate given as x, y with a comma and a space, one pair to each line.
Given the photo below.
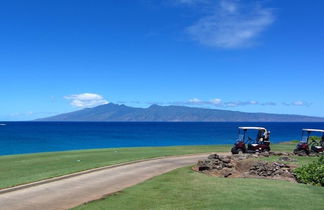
32, 137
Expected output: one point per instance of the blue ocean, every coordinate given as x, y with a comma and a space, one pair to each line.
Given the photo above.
32, 137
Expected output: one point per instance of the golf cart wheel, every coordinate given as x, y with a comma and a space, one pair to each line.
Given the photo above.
296, 151
234, 151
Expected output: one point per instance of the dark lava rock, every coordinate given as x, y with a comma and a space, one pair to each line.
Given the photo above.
245, 165
225, 159
203, 165
215, 161
301, 153
264, 154
213, 156
209, 164
229, 165
243, 156
266, 169
287, 159
281, 153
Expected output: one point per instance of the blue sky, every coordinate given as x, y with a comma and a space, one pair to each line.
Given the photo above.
247, 55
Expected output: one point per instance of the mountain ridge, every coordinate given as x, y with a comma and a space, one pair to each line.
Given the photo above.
155, 113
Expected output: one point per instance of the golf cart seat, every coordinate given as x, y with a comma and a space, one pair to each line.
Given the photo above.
251, 146
266, 143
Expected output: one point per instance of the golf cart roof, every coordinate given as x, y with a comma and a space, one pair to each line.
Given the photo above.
313, 130
252, 128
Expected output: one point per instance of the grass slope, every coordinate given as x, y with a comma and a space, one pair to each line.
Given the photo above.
185, 189
19, 169
301, 160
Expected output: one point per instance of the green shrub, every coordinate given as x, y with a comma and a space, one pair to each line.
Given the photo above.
312, 173
315, 138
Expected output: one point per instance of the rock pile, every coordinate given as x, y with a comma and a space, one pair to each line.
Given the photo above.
311, 154
264, 154
215, 161
243, 156
278, 154
287, 159
266, 169
244, 165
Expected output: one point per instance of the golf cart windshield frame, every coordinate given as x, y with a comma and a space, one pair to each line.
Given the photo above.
306, 134
242, 134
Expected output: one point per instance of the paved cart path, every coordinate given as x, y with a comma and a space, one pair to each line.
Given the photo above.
83, 187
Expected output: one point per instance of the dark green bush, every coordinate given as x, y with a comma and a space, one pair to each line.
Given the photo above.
312, 173
315, 138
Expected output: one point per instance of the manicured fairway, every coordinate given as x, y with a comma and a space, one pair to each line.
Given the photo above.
283, 147
301, 160
185, 189
19, 169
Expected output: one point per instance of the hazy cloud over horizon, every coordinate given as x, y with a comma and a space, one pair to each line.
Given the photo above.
220, 103
297, 103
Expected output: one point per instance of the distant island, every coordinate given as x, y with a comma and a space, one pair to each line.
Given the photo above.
121, 113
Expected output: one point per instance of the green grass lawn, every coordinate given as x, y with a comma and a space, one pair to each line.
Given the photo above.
288, 147
301, 160
186, 189
283, 147
19, 169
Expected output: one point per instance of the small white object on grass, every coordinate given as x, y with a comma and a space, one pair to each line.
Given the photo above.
78, 160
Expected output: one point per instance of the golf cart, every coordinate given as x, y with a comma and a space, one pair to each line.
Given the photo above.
245, 144
309, 144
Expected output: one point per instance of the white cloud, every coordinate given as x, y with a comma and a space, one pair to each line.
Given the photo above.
240, 103
195, 101
244, 103
86, 100
216, 101
297, 103
231, 25
231, 104
220, 103
269, 104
